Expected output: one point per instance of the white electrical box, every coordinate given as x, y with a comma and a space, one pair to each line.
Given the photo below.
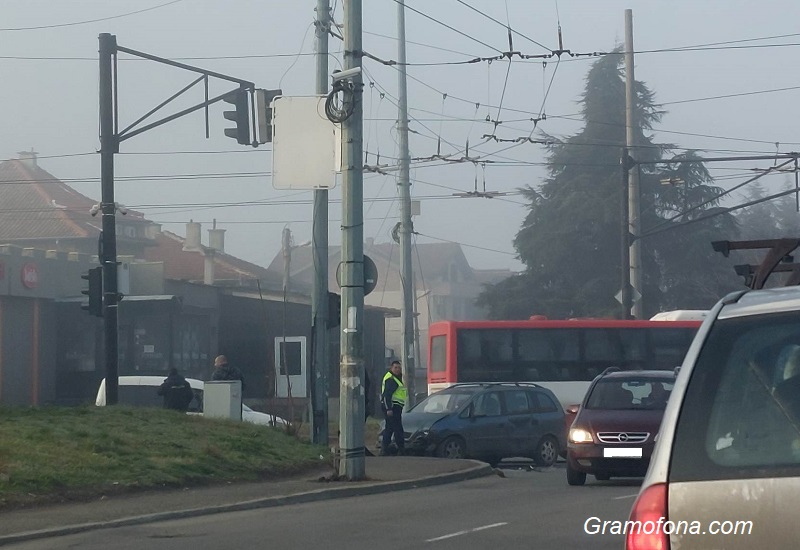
222, 399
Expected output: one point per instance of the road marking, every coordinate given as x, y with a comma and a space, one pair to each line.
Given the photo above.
459, 533
625, 496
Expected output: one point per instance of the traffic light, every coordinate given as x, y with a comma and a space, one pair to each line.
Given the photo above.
94, 292
264, 113
241, 116
334, 309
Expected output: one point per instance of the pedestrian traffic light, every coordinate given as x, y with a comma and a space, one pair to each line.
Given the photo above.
94, 292
264, 113
241, 116
334, 309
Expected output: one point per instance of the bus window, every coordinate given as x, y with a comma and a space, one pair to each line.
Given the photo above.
669, 346
602, 345
485, 355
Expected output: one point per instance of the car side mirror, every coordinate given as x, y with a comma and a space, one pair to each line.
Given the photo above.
573, 409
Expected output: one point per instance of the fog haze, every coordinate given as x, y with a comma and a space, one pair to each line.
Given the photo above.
172, 174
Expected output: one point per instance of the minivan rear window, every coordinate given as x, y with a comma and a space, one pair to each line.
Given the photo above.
740, 416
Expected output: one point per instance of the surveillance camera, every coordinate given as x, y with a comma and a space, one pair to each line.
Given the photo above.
94, 210
346, 74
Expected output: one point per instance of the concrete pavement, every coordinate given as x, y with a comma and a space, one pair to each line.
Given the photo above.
385, 474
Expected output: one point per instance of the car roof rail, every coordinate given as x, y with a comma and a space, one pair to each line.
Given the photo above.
609, 370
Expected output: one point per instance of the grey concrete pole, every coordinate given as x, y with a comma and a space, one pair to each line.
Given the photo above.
351, 367
319, 244
634, 221
406, 224
108, 256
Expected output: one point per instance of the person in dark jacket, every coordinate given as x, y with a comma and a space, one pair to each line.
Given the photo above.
224, 371
393, 399
177, 391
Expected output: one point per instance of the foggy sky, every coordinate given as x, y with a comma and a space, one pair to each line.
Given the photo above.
50, 104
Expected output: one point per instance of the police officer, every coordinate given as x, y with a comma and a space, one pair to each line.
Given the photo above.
393, 399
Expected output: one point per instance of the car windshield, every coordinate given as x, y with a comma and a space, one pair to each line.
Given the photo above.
630, 393
444, 402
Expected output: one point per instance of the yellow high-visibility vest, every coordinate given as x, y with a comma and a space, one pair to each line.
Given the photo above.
400, 394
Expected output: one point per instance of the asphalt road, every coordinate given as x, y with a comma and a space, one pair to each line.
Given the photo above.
526, 509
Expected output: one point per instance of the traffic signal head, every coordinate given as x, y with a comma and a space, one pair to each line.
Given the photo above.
94, 292
264, 113
334, 309
240, 116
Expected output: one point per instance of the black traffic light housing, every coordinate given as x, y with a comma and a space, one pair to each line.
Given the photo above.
334, 309
241, 116
94, 292
264, 113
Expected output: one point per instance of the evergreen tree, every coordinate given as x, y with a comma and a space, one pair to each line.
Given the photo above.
570, 241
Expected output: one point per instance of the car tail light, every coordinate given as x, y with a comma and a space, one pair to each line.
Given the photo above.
646, 525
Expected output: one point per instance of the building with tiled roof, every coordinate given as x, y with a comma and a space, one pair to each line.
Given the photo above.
40, 211
183, 302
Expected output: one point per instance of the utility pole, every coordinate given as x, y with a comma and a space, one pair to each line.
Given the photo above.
625, 243
109, 144
319, 245
406, 226
634, 221
351, 367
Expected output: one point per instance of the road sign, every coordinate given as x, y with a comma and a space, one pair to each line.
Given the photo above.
370, 275
303, 139
635, 295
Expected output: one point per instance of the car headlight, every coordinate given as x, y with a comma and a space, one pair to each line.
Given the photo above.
579, 435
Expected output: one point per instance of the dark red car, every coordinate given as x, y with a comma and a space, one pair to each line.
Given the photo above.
614, 431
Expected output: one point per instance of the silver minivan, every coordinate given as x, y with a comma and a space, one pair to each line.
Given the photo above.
725, 472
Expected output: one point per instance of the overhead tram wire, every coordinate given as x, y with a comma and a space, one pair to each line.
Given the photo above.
425, 15
59, 25
508, 26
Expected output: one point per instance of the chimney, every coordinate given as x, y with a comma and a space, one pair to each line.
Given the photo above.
28, 158
192, 243
216, 238
208, 268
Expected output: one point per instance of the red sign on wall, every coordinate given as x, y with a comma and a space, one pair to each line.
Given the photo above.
30, 275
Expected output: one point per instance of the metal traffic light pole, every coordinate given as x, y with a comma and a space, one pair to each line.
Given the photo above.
111, 137
109, 145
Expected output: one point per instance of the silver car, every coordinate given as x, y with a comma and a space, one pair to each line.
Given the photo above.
725, 472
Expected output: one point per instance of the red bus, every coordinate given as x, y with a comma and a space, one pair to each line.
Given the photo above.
563, 356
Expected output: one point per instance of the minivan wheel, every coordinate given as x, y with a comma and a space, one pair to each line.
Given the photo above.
574, 477
452, 447
546, 451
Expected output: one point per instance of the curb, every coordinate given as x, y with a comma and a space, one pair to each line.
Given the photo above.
479, 470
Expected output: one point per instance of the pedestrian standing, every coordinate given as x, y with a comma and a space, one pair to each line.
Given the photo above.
224, 371
177, 391
393, 399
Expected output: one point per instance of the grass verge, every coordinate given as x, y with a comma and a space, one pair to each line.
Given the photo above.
53, 454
